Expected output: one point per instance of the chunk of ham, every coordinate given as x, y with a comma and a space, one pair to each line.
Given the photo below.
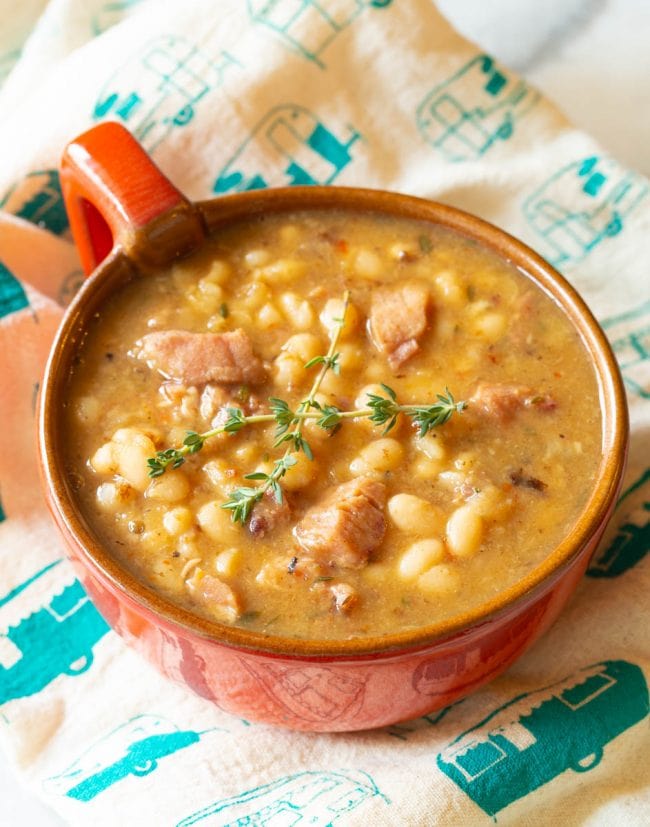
216, 596
398, 318
267, 514
198, 358
346, 526
502, 401
214, 400
344, 597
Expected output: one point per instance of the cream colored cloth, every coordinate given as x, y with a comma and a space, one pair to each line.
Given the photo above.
232, 94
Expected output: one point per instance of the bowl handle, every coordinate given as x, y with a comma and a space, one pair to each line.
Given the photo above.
117, 197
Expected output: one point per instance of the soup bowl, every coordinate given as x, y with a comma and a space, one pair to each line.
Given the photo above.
128, 219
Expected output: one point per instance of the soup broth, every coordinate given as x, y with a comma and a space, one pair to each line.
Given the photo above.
370, 532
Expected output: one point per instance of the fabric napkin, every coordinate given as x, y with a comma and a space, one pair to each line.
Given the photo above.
232, 94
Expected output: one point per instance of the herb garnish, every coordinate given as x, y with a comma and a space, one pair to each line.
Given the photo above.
380, 409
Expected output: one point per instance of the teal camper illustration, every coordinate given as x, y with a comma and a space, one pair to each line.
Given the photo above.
472, 110
308, 27
315, 798
580, 206
288, 147
37, 198
631, 542
629, 335
536, 737
161, 88
54, 638
132, 749
12, 293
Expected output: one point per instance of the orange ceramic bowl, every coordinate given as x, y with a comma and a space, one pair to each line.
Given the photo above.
127, 219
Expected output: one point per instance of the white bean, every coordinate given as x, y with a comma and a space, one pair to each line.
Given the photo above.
331, 314
112, 495
450, 288
272, 575
441, 579
419, 557
362, 397
257, 258
177, 521
298, 312
367, 264
171, 487
215, 521
288, 371
207, 297
425, 468
350, 357
490, 326
378, 456
188, 546
268, 316
219, 472
227, 562
256, 295
103, 461
132, 458
415, 516
220, 272
431, 446
300, 474
492, 503
464, 531
303, 345
281, 271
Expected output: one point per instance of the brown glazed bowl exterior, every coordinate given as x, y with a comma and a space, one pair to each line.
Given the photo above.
322, 685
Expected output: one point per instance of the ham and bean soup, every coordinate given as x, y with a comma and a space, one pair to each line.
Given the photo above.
332, 425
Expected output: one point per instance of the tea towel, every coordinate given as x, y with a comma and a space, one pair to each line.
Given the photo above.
228, 95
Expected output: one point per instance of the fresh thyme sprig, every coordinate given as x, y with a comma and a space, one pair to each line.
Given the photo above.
385, 410
194, 442
382, 409
289, 430
242, 500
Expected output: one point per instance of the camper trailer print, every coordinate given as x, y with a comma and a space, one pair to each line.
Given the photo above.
38, 199
629, 335
477, 107
580, 206
12, 294
308, 27
55, 638
631, 542
536, 737
161, 88
317, 799
132, 749
288, 147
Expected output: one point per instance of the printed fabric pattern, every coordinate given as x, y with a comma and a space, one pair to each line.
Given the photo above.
235, 95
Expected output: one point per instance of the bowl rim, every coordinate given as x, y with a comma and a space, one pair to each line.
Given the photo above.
229, 209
